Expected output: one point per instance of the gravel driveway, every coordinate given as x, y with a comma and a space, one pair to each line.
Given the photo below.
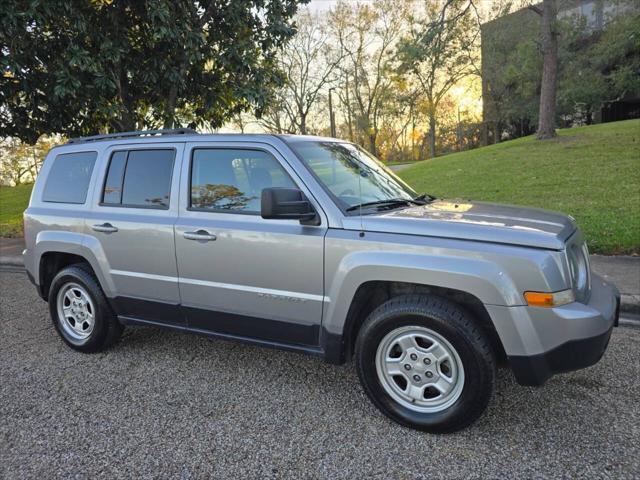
164, 404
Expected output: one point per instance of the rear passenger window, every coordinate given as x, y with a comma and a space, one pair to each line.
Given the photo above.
139, 178
68, 179
232, 180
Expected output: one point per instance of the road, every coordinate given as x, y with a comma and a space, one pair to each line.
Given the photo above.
163, 404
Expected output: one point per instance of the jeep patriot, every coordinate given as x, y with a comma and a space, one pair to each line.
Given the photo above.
310, 244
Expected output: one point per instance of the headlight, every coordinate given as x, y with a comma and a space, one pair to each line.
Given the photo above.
549, 300
578, 258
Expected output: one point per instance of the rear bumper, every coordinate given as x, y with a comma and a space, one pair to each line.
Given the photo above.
541, 342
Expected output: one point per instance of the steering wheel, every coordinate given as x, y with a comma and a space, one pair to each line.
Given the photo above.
348, 191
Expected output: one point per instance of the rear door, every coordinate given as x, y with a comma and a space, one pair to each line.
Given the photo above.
239, 273
132, 221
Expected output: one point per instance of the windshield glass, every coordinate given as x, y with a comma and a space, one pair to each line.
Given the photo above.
351, 174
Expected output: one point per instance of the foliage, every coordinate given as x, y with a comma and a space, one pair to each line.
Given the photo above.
308, 64
596, 67
588, 172
76, 67
366, 35
21, 162
606, 69
438, 51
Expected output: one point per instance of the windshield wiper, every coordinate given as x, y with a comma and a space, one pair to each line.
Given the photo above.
382, 203
424, 198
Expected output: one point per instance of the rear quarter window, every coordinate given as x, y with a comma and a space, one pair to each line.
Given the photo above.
68, 178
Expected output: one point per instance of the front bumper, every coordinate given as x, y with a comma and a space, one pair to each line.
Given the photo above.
541, 342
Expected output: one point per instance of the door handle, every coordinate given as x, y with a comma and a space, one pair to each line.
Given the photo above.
105, 228
202, 235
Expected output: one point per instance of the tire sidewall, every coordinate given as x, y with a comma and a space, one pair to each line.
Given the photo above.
478, 375
79, 276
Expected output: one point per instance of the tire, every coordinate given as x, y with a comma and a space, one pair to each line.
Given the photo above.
403, 336
91, 325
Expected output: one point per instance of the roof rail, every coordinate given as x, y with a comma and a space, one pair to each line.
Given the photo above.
139, 133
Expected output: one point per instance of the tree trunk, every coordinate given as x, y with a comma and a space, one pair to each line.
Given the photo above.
170, 108
546, 117
432, 135
127, 122
303, 124
372, 143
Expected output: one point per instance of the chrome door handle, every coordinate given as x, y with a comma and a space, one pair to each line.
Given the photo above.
105, 228
202, 235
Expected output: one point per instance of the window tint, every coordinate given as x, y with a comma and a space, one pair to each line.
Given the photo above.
139, 178
113, 184
68, 179
225, 179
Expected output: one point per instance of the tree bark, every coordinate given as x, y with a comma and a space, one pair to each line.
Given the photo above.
547, 113
432, 135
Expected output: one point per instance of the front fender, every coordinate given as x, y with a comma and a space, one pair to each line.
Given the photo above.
479, 277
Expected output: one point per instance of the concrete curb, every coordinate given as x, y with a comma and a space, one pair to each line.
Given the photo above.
628, 303
11, 261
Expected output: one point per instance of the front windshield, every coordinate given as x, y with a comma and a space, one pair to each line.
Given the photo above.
352, 175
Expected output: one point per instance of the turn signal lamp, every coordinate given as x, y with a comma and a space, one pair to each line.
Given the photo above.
549, 300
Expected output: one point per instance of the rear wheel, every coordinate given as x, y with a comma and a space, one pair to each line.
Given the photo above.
80, 311
425, 364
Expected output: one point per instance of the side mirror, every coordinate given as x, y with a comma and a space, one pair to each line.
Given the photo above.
287, 204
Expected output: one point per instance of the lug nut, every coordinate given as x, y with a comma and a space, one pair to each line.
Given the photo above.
407, 367
416, 378
427, 361
414, 356
429, 374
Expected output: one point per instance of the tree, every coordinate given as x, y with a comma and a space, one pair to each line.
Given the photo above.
439, 51
308, 63
21, 162
598, 67
366, 35
78, 67
549, 84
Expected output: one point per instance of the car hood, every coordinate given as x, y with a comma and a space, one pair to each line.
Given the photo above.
480, 221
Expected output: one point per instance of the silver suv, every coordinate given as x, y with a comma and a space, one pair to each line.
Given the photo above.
312, 245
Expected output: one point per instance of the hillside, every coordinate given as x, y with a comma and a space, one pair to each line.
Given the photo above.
591, 173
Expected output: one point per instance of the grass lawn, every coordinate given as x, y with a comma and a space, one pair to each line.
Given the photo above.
13, 201
591, 173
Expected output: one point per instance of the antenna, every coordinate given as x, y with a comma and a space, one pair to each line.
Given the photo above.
360, 199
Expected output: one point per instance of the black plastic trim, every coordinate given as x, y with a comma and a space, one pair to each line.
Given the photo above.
535, 370
252, 327
248, 329
315, 351
156, 311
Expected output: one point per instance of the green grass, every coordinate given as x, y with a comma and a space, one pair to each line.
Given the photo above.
591, 173
13, 201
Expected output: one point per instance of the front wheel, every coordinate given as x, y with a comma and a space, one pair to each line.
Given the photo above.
425, 364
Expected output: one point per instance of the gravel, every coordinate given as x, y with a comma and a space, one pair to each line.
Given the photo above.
165, 404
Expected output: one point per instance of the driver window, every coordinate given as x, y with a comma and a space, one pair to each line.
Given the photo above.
231, 180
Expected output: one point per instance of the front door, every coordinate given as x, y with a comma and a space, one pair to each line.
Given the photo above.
240, 274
